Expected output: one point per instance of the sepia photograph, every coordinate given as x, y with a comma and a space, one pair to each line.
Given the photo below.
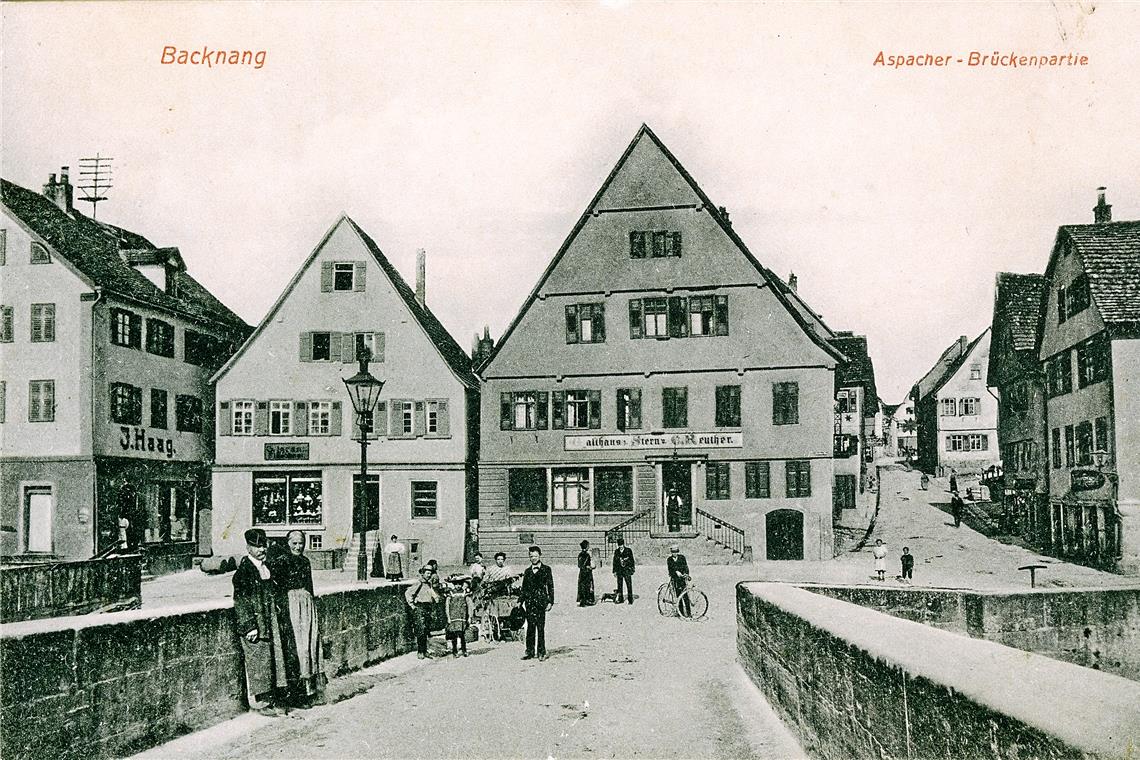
569, 379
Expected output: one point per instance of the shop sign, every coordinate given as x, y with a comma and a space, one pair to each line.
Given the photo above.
1086, 480
284, 452
139, 439
654, 441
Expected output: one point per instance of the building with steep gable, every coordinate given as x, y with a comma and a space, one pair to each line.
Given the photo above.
288, 455
656, 357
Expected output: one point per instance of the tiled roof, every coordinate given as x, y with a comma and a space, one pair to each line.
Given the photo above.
1110, 253
857, 370
93, 248
1018, 303
942, 378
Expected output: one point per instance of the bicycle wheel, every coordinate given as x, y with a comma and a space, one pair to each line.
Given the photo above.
666, 600
698, 604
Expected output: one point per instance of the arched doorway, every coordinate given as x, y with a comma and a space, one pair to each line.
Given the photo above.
785, 534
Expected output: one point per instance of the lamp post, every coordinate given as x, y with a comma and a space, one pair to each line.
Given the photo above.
364, 392
1101, 459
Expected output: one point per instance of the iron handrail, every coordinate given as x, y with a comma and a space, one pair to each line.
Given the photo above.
637, 525
719, 530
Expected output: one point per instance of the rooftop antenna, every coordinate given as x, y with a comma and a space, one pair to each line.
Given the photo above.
95, 179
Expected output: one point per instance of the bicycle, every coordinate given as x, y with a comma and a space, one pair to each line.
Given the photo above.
668, 603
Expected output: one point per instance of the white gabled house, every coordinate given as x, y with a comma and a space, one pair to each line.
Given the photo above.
287, 454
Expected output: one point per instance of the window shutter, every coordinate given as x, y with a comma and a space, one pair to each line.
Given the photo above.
336, 425
377, 346
300, 418
635, 325
595, 398
637, 245
790, 480
506, 416
559, 410
599, 323
306, 351
676, 243
49, 322
225, 419
37, 324
348, 347
678, 324
396, 423
334, 346
720, 314
261, 418
443, 419
635, 408
358, 278
683, 406
793, 397
572, 324
136, 331
805, 479
326, 276
419, 420
541, 416
380, 420
621, 407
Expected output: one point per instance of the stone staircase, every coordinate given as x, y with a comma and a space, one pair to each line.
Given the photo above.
709, 541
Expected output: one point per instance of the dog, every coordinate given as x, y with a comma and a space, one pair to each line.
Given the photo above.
610, 596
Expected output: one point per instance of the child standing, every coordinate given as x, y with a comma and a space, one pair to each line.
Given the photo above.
907, 565
458, 618
880, 552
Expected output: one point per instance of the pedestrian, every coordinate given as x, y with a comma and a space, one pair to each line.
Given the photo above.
436, 581
585, 576
500, 571
477, 571
880, 552
394, 556
624, 567
907, 560
537, 597
956, 506
673, 509
953, 481
294, 576
422, 598
678, 567
259, 627
458, 606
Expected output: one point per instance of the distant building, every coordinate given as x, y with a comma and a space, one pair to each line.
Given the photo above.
1090, 352
107, 344
856, 417
899, 430
288, 446
1014, 370
657, 356
955, 412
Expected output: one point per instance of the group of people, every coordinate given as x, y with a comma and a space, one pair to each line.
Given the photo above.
624, 566
906, 560
277, 624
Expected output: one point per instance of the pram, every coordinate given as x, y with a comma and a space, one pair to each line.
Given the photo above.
498, 611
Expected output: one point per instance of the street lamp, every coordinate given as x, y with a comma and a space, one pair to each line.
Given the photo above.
1101, 459
364, 392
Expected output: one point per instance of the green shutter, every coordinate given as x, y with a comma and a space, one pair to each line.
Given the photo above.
358, 279
419, 419
720, 315
635, 407
306, 350
599, 323
506, 416
326, 276
443, 419
572, 324
334, 346
678, 317
348, 347
336, 424
380, 419
261, 418
635, 324
225, 419
676, 244
300, 418
559, 410
595, 406
541, 417
378, 346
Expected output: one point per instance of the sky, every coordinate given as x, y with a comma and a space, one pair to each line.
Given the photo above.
480, 131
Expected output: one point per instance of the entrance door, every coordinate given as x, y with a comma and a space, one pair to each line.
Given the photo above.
677, 478
843, 495
785, 534
37, 519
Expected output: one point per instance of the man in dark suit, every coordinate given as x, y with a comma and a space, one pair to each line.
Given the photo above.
624, 566
537, 597
262, 636
678, 568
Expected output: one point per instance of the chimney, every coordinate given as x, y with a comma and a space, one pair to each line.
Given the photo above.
60, 193
724, 214
793, 281
1102, 212
484, 346
421, 276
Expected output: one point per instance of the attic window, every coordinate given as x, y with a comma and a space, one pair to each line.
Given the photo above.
40, 254
342, 276
654, 244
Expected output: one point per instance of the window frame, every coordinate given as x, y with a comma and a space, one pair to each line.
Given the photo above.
38, 253
280, 409
126, 406
567, 481
758, 479
514, 486
785, 412
39, 409
44, 321
718, 480
727, 413
434, 496
188, 416
338, 269
156, 329
7, 324
628, 409
797, 478
675, 407
289, 498
242, 414
124, 319
155, 405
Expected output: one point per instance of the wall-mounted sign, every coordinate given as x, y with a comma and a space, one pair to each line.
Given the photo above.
654, 441
285, 452
1086, 480
138, 439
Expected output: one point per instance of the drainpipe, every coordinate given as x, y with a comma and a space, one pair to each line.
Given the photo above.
95, 475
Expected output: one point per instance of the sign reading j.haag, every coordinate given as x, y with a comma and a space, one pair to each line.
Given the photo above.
654, 441
140, 439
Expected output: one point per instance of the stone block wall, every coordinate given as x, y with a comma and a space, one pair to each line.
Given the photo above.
111, 685
28, 592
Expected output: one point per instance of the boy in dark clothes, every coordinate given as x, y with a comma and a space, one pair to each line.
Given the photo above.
907, 565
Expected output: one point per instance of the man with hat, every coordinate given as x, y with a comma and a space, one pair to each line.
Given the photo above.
259, 627
678, 568
624, 567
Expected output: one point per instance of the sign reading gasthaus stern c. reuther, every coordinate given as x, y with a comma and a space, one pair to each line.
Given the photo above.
655, 441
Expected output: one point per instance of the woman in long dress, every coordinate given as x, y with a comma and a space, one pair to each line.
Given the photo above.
294, 576
585, 576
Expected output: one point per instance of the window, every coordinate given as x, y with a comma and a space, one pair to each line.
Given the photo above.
1070, 446
342, 275
373, 342
968, 442
975, 372
6, 329
526, 490
126, 404
126, 328
315, 541
424, 499
40, 254
701, 315
280, 417
1062, 305
523, 410
1078, 295
571, 489
243, 418
968, 407
403, 418
577, 409
1016, 399
1056, 440
629, 409
320, 417
1059, 374
728, 406
159, 337
158, 409
847, 401
43, 322
41, 401
948, 407
656, 318
287, 499
675, 407
613, 489
1093, 361
1102, 442
188, 414
586, 323
3, 400
322, 346
717, 480
757, 480
798, 476
785, 403
204, 350
1084, 443
657, 244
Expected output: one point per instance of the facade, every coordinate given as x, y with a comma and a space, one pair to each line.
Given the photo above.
856, 418
1090, 354
107, 344
899, 430
1015, 373
288, 455
955, 413
656, 355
